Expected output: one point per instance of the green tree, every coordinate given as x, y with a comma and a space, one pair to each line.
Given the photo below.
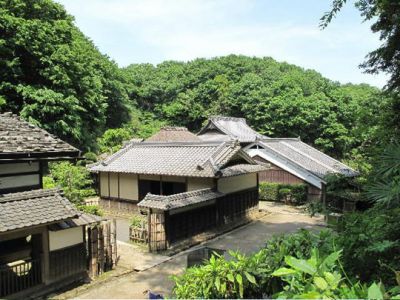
54, 76
73, 179
112, 140
277, 99
385, 15
383, 187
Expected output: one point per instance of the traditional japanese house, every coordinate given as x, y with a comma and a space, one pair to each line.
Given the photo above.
172, 168
194, 186
42, 244
291, 161
41, 233
25, 150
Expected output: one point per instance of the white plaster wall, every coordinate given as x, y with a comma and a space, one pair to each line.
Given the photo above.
114, 185
199, 183
19, 181
103, 184
19, 168
128, 184
65, 238
237, 183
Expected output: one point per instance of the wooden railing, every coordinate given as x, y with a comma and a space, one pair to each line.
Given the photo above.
138, 234
18, 277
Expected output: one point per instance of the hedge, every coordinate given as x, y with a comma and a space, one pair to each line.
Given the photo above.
293, 193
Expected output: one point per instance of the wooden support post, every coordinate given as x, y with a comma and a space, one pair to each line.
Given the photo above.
101, 249
149, 228
89, 247
323, 195
94, 246
45, 256
114, 241
109, 246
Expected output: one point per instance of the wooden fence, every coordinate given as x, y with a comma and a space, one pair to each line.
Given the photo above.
139, 234
102, 247
19, 277
67, 261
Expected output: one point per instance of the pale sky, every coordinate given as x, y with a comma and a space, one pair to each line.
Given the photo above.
152, 31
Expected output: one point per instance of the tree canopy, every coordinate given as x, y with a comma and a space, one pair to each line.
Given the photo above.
54, 76
277, 99
385, 15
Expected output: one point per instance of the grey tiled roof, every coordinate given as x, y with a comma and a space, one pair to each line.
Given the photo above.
199, 159
242, 169
27, 209
179, 200
173, 134
307, 157
82, 220
20, 137
235, 128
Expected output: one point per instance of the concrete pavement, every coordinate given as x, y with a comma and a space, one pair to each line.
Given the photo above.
247, 239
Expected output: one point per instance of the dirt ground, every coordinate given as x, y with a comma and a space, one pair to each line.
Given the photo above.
247, 239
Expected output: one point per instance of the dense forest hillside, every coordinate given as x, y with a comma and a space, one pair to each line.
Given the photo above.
277, 99
54, 76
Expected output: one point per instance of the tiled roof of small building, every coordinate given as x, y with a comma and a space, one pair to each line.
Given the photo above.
242, 169
179, 200
307, 157
36, 207
219, 128
22, 138
82, 220
173, 134
199, 159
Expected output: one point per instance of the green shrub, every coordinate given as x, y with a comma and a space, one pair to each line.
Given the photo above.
321, 277
48, 182
249, 276
292, 193
269, 191
314, 207
298, 265
74, 180
112, 139
91, 209
371, 241
138, 221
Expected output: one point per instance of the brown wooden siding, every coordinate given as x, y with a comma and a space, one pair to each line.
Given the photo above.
277, 175
67, 261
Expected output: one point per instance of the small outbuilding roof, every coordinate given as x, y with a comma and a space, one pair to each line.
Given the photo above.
36, 207
19, 138
223, 128
200, 159
298, 158
82, 220
173, 134
308, 157
179, 200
